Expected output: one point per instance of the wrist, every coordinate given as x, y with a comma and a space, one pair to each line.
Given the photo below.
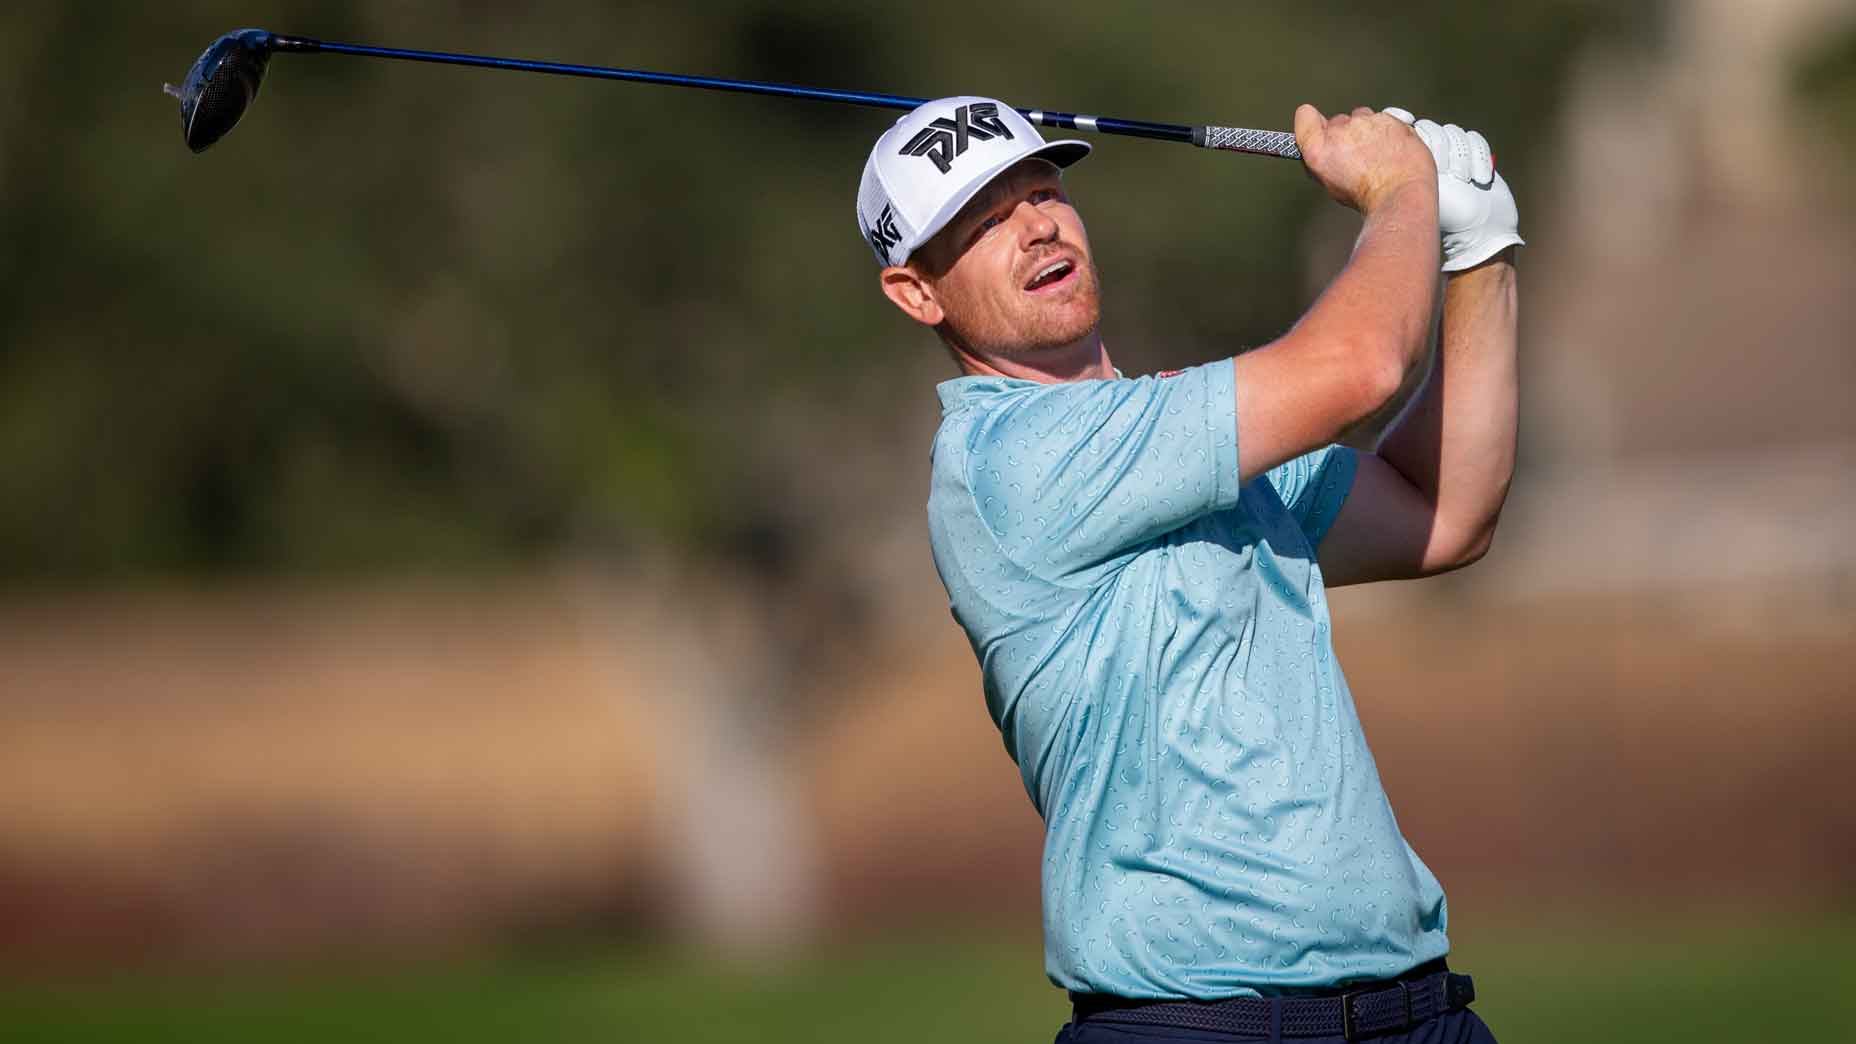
1406, 216
1416, 199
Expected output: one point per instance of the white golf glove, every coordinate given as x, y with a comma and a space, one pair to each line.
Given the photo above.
1475, 210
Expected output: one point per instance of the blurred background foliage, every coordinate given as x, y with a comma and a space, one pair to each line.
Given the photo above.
417, 318
1826, 82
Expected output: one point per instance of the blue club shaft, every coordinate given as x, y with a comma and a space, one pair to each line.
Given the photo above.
1067, 120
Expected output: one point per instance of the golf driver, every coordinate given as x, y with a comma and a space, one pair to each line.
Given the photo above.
224, 81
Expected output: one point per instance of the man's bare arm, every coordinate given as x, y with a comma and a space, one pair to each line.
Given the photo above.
1428, 499
1352, 351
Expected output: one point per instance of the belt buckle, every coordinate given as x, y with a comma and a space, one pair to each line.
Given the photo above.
1348, 1031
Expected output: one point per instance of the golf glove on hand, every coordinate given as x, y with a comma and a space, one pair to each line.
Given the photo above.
1475, 210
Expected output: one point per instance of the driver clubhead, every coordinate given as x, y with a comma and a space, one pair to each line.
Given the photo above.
221, 86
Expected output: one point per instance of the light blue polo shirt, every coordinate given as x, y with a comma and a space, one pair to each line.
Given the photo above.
1155, 647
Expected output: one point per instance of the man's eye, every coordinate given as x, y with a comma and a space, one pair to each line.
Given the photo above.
1043, 196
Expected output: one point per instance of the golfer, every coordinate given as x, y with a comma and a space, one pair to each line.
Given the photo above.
1142, 567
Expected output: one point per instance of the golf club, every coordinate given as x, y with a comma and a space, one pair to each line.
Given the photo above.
224, 81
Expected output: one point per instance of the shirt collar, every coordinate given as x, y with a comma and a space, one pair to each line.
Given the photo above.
954, 391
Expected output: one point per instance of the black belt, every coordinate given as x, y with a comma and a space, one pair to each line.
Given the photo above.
1366, 1010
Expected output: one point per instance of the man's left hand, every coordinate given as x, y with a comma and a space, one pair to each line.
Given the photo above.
1475, 210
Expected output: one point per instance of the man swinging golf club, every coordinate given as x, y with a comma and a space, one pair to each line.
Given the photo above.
1141, 566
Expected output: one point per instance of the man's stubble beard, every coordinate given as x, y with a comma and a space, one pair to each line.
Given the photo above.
1031, 333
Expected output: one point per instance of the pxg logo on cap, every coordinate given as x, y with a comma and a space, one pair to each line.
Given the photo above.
884, 235
944, 139
933, 160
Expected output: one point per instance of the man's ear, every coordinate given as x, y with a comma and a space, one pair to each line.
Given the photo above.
908, 291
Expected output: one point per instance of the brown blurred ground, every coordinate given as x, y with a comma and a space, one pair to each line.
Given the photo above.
280, 771
248, 773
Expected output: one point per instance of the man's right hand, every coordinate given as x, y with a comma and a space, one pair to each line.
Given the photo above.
1364, 158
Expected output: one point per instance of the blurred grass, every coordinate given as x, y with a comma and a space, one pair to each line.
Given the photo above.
1609, 978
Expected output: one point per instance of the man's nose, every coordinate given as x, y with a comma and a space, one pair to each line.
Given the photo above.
1034, 226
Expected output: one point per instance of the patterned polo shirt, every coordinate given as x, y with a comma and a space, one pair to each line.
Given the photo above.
1155, 647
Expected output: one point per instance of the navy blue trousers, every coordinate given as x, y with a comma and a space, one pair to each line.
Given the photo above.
1454, 1027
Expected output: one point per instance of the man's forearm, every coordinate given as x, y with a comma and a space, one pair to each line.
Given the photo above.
1370, 309
1349, 354
1456, 442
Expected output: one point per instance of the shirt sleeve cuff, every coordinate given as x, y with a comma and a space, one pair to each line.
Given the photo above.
1221, 426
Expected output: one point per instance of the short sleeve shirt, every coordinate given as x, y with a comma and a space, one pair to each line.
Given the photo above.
1154, 642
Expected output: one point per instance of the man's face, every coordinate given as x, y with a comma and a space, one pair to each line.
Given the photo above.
1012, 271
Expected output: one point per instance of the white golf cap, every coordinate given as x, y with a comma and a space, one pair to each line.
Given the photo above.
935, 159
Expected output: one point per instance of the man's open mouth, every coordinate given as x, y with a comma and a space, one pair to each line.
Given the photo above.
1051, 274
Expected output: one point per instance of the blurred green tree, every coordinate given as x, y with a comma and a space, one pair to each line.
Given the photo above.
409, 317
1826, 82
